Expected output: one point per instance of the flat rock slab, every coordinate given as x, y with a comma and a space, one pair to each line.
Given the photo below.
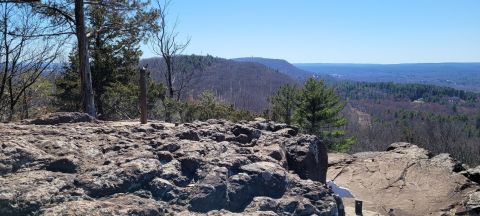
405, 180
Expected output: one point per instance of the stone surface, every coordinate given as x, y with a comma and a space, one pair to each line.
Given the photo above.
74, 165
65, 165
473, 174
62, 117
406, 180
121, 204
308, 157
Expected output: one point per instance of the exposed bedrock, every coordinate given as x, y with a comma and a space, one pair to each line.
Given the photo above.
68, 163
408, 180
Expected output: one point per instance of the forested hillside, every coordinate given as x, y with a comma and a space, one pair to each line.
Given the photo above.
245, 85
440, 119
281, 65
390, 90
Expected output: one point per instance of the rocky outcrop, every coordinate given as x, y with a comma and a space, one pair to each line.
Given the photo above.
407, 180
72, 164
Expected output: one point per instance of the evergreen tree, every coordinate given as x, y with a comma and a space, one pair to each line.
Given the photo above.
283, 103
208, 106
115, 53
318, 113
68, 92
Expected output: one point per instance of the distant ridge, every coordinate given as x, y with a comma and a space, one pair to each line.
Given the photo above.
280, 65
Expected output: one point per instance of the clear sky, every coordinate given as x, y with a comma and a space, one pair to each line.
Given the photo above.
332, 31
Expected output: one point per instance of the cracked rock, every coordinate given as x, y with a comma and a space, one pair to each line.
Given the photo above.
75, 165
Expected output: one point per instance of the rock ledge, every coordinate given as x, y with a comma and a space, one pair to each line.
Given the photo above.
75, 164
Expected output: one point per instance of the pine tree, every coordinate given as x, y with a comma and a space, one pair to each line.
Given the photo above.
115, 53
318, 113
283, 103
207, 106
68, 93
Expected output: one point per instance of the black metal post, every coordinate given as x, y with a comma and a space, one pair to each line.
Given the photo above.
358, 208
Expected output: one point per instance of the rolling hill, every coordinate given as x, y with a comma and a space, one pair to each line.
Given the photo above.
246, 85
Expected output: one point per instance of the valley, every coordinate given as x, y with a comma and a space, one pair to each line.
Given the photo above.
436, 117
464, 76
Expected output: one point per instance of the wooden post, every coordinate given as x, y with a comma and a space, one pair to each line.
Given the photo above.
143, 95
358, 208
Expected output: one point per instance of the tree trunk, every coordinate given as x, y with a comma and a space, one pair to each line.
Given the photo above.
12, 102
168, 105
25, 105
7, 55
85, 73
169, 78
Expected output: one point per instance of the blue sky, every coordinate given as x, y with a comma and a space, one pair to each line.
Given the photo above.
332, 31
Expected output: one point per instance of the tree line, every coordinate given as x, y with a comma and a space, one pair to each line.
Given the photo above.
412, 92
99, 76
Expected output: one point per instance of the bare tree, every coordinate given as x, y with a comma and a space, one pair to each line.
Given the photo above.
166, 44
24, 55
68, 18
64, 22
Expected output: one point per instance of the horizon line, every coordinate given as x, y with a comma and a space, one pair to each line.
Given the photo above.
369, 63
344, 63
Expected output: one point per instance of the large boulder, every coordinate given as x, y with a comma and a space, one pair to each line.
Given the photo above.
307, 156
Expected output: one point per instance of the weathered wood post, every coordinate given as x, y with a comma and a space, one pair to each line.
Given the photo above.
143, 95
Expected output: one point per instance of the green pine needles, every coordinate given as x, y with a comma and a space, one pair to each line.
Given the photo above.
315, 109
